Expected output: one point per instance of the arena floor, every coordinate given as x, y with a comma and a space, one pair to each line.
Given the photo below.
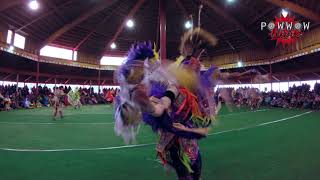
243, 145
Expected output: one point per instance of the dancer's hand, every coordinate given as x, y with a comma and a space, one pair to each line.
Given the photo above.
155, 100
180, 126
201, 131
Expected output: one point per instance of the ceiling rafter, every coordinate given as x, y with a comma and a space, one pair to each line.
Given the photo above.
297, 9
60, 15
231, 19
94, 30
262, 14
183, 9
6, 77
316, 74
6, 4
120, 28
96, 9
28, 78
44, 15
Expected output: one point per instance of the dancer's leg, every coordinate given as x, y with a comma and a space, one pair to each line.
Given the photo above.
196, 167
181, 170
61, 110
55, 111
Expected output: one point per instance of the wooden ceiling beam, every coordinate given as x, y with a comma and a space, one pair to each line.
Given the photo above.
65, 82
234, 21
296, 8
183, 9
103, 82
264, 70
28, 78
44, 15
6, 4
6, 77
120, 28
275, 78
56, 7
94, 30
297, 77
13, 20
316, 74
49, 79
34, 35
96, 9
263, 14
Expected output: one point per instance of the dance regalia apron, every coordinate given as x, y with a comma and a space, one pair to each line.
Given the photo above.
191, 110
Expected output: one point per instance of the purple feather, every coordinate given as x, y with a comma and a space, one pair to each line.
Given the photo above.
140, 51
157, 89
165, 121
206, 77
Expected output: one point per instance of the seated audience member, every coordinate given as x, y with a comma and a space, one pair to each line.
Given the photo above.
27, 104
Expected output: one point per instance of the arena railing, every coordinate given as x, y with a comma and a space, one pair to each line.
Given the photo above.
309, 43
23, 53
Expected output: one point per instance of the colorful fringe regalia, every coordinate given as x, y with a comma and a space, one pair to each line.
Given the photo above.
193, 107
142, 76
74, 98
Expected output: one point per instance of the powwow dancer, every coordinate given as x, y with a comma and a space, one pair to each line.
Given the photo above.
74, 98
58, 102
176, 101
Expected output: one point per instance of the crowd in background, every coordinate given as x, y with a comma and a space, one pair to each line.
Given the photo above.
297, 97
302, 96
12, 97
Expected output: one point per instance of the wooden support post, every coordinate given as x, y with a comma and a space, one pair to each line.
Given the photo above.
38, 71
270, 67
99, 80
163, 30
17, 80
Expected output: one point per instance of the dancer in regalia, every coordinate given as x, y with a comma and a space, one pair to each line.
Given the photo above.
58, 102
74, 98
176, 101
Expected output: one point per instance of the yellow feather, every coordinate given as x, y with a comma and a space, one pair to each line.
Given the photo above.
186, 78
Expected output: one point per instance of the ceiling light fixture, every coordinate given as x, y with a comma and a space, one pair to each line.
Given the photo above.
34, 5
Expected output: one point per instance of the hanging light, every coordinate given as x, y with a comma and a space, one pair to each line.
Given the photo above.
188, 25
34, 5
130, 23
113, 45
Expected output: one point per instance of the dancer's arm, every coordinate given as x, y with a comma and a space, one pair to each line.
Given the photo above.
161, 105
226, 75
153, 105
201, 131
